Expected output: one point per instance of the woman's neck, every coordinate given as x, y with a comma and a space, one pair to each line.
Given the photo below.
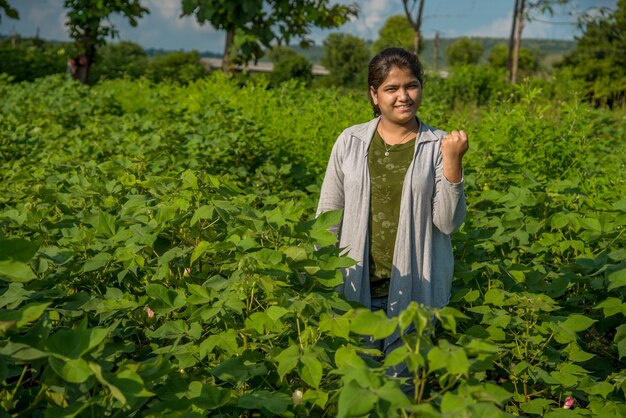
394, 133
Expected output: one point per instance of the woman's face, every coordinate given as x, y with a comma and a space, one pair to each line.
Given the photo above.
399, 96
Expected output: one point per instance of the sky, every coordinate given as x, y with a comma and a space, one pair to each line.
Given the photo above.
163, 29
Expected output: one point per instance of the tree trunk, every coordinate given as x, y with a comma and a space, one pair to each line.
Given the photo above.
518, 41
81, 65
415, 23
230, 39
509, 59
436, 51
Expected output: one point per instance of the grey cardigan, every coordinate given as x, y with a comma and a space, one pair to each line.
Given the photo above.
431, 209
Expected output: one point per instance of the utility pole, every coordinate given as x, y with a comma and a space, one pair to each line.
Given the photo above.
436, 51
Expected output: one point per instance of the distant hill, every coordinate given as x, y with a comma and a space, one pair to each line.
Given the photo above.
151, 52
551, 50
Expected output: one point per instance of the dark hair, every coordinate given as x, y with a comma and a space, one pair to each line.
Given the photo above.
382, 63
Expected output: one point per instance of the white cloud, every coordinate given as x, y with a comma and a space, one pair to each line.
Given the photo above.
166, 8
47, 19
372, 15
498, 28
169, 11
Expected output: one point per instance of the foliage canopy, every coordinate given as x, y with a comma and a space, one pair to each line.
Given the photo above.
259, 23
396, 32
599, 59
465, 51
346, 57
85, 20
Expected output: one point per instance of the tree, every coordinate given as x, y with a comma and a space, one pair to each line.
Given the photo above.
528, 59
259, 23
521, 13
416, 22
85, 22
599, 60
346, 57
396, 31
465, 51
8, 10
289, 65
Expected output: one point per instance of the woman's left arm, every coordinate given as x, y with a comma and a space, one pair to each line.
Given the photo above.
453, 147
449, 199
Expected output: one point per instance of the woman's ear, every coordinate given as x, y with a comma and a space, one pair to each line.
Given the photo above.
374, 95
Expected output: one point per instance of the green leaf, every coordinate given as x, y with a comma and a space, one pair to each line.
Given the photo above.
596, 388
23, 316
167, 299
391, 393
74, 370
355, 401
268, 257
199, 251
577, 322
591, 224
489, 392
232, 370
617, 279
449, 357
130, 385
203, 212
611, 306
620, 340
335, 326
374, 324
96, 262
274, 403
17, 250
21, 352
170, 330
295, 253
320, 229
276, 312
397, 356
536, 406
74, 343
311, 369
495, 297
576, 354
16, 271
287, 360
190, 181
212, 397
106, 224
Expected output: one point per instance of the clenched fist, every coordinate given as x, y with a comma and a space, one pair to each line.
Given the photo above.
453, 147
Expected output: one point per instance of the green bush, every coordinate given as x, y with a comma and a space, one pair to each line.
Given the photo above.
159, 256
31, 58
289, 65
528, 63
123, 59
181, 67
346, 57
478, 85
465, 51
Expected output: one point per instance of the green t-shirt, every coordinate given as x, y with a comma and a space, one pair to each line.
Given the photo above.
387, 174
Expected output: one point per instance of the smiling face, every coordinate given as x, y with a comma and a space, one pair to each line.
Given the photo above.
399, 96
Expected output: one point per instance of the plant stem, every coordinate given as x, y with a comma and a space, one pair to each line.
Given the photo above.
19, 382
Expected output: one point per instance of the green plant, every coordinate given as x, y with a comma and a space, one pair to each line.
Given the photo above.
159, 256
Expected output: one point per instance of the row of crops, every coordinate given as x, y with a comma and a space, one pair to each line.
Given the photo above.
159, 257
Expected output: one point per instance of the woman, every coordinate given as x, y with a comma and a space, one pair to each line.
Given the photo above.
400, 185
